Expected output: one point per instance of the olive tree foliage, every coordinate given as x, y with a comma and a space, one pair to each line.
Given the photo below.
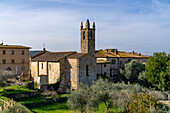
132, 71
78, 99
4, 76
157, 70
89, 98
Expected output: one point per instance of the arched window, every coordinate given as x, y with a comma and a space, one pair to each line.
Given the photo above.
84, 35
87, 70
42, 66
90, 34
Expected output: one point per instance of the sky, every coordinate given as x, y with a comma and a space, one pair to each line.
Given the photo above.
126, 25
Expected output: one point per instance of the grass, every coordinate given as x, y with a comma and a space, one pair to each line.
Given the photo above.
58, 107
62, 95
31, 100
11, 90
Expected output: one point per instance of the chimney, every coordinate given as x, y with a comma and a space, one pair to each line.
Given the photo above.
133, 52
115, 51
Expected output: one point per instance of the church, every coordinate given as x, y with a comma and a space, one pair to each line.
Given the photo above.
71, 67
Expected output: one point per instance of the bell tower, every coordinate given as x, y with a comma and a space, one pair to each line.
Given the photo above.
88, 38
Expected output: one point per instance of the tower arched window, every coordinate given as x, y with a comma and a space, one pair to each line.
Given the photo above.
84, 35
90, 35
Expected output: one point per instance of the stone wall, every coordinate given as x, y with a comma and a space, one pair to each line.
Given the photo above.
34, 70
54, 72
72, 73
18, 65
91, 62
43, 68
103, 69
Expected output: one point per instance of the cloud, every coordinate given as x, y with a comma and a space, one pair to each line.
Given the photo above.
143, 28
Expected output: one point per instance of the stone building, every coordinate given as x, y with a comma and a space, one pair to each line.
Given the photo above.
15, 58
70, 67
109, 61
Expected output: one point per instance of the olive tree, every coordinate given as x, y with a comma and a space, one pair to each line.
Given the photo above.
4, 76
132, 70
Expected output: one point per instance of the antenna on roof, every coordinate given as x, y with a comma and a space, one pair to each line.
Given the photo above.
44, 47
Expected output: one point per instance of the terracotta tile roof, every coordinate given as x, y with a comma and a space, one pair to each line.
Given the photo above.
52, 56
116, 53
14, 47
77, 55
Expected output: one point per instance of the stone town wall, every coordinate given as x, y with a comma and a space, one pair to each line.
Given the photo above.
92, 71
54, 72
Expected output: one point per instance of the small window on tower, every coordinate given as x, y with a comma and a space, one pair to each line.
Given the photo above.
90, 34
84, 35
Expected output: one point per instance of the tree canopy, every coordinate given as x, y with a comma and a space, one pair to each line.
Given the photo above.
158, 71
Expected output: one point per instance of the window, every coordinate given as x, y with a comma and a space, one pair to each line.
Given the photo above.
4, 61
84, 35
90, 34
23, 61
121, 62
105, 73
12, 52
22, 52
87, 70
111, 61
104, 65
129, 60
42, 66
12, 61
114, 62
4, 52
22, 67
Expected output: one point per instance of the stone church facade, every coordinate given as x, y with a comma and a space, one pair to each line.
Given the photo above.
70, 67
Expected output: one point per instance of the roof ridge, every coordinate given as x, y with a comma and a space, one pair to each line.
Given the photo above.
64, 52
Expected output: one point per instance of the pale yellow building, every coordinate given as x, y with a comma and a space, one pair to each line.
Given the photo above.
15, 58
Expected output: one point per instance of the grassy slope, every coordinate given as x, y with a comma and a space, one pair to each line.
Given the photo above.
58, 107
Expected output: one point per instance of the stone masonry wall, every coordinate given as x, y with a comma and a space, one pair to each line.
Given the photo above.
34, 70
91, 62
72, 73
54, 72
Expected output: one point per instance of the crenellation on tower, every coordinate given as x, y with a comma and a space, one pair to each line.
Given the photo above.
88, 38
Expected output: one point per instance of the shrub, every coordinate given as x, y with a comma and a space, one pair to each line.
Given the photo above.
4, 76
13, 107
88, 98
142, 103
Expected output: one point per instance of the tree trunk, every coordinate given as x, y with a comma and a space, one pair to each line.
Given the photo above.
106, 107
